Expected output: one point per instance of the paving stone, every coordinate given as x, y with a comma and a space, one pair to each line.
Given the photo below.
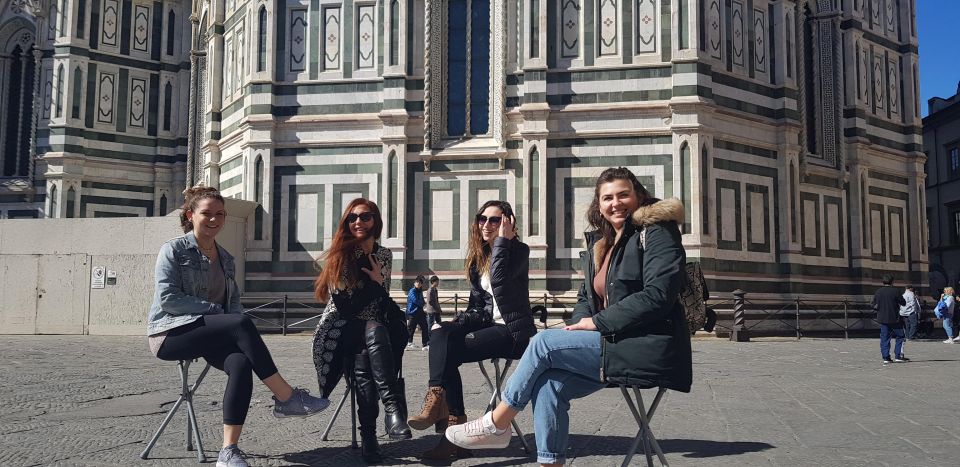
96, 400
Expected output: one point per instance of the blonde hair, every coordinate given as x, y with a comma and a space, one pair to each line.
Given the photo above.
948, 290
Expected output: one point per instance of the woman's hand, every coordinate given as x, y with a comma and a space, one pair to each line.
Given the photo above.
508, 228
585, 324
375, 274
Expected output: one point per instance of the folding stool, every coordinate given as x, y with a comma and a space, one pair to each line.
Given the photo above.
495, 385
186, 395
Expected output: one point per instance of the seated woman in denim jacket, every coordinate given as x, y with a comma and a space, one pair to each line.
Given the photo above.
196, 312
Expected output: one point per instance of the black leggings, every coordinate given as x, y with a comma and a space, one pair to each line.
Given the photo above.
454, 344
230, 343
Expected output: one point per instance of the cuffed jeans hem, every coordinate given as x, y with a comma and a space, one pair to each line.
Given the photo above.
544, 457
513, 405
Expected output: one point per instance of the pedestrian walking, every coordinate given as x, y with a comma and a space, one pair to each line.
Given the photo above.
432, 305
910, 312
415, 314
887, 302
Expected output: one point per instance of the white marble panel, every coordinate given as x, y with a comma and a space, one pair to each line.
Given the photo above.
365, 36
307, 211
486, 194
609, 26
582, 197
728, 214
758, 228
876, 232
809, 223
331, 38
832, 219
346, 198
441, 220
896, 233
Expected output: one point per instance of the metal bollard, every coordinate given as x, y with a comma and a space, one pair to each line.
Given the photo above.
739, 333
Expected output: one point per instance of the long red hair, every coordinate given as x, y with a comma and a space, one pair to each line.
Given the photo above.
339, 256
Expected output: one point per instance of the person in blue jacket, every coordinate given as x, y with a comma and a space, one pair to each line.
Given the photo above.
415, 314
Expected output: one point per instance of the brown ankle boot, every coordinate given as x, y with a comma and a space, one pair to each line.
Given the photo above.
445, 450
434, 409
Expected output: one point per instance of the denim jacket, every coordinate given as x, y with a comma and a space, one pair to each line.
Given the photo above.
181, 295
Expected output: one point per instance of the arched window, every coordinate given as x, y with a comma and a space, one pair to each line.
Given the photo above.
53, 202
171, 29
18, 112
864, 215
788, 30
81, 18
468, 57
71, 201
167, 105
59, 103
793, 202
258, 197
704, 189
393, 176
262, 40
683, 32
685, 184
163, 205
395, 32
77, 92
534, 191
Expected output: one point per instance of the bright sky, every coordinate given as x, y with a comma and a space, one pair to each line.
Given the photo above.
938, 25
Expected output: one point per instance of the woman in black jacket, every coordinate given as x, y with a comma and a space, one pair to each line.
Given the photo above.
629, 326
497, 323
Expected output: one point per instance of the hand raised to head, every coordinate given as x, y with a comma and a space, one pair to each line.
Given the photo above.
508, 228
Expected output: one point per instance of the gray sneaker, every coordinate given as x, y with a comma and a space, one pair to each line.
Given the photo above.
300, 404
231, 456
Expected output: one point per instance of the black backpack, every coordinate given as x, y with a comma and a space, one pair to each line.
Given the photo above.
693, 295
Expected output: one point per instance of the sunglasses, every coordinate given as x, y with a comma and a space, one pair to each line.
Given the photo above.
495, 220
363, 216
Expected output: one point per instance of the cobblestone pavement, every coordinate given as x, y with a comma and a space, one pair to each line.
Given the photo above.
95, 400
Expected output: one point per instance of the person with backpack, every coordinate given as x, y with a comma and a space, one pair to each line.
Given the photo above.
415, 315
945, 311
628, 325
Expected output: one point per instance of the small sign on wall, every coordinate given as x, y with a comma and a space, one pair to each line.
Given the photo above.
98, 277
111, 277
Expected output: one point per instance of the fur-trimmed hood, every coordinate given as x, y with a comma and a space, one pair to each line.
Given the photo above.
670, 209
659, 210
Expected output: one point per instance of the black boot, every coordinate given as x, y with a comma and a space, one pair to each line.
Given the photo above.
385, 375
367, 410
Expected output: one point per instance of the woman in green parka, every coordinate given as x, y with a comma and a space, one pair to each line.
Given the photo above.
628, 324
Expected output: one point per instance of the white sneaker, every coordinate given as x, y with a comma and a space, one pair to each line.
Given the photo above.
425, 348
948, 341
479, 434
956, 339
410, 345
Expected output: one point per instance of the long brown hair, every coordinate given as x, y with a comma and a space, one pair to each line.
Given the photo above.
596, 219
478, 251
339, 256
191, 198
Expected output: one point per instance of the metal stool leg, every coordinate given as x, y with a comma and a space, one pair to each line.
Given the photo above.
186, 395
498, 378
352, 394
336, 413
643, 415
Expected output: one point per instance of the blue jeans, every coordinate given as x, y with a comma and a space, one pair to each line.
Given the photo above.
557, 367
948, 326
911, 322
885, 335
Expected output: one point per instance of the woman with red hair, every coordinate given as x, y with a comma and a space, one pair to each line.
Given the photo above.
361, 323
